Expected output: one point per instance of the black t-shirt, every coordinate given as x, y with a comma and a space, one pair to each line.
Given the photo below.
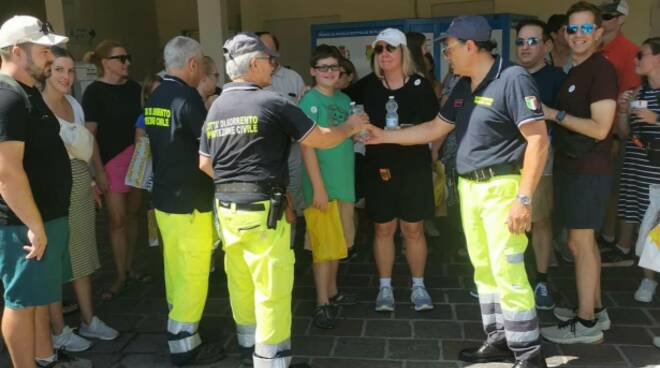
114, 108
45, 159
173, 118
488, 120
549, 80
417, 104
248, 134
591, 81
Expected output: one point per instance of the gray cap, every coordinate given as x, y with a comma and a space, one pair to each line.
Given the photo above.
245, 43
468, 27
620, 6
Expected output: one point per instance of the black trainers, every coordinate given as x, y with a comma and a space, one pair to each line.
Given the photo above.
324, 316
352, 254
535, 362
245, 354
343, 299
207, 353
616, 258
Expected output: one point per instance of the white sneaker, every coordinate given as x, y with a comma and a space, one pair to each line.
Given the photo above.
97, 329
421, 299
573, 332
656, 341
565, 314
69, 341
646, 291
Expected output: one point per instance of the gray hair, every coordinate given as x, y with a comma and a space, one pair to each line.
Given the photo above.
240, 65
179, 50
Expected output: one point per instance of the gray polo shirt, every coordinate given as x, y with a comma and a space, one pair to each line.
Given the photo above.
488, 119
287, 83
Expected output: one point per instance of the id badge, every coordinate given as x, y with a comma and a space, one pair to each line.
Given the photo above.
385, 174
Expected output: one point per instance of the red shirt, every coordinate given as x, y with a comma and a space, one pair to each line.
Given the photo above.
621, 53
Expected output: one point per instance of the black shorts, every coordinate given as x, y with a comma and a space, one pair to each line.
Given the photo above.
581, 199
359, 176
405, 194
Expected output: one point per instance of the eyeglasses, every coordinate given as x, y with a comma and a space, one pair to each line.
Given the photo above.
587, 28
327, 68
445, 49
123, 58
270, 59
380, 48
532, 41
610, 16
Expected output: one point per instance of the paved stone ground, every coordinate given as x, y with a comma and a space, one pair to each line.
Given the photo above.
364, 338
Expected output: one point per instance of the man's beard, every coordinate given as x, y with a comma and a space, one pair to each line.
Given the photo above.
39, 75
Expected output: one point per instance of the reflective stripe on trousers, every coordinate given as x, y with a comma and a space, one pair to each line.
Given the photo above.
187, 247
505, 296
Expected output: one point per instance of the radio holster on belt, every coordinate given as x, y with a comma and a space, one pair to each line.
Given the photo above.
277, 205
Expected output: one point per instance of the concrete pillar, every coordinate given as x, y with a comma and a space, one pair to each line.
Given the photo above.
55, 15
213, 30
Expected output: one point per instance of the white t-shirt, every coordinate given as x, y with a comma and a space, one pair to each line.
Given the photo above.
79, 142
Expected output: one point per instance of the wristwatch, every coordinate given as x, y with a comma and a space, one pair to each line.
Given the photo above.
524, 200
560, 116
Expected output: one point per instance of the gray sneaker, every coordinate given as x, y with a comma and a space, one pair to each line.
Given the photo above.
421, 299
573, 332
566, 314
385, 300
65, 360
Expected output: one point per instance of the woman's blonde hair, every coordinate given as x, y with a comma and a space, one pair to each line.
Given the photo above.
407, 64
102, 51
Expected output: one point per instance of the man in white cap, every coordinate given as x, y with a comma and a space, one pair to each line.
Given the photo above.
35, 185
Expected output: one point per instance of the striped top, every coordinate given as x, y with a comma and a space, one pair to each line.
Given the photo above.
637, 173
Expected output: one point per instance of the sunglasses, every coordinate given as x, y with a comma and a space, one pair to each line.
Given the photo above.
123, 58
45, 28
380, 48
610, 16
445, 49
327, 68
587, 28
532, 41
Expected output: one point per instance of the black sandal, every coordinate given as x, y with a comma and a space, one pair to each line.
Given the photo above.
324, 316
343, 299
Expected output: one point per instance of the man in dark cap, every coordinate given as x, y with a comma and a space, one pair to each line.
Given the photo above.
244, 147
496, 110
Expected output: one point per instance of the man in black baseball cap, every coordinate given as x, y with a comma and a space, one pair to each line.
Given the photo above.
496, 111
244, 147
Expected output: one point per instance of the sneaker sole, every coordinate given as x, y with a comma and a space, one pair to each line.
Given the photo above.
93, 336
626, 263
385, 308
604, 326
73, 350
579, 340
545, 307
424, 307
643, 300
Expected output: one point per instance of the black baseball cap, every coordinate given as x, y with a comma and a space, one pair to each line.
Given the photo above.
245, 43
468, 27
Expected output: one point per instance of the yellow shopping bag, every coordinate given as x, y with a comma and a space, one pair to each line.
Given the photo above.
325, 233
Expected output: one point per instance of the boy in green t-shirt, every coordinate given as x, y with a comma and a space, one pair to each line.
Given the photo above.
328, 176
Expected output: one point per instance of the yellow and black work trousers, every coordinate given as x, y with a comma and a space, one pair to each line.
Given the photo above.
505, 296
187, 246
259, 266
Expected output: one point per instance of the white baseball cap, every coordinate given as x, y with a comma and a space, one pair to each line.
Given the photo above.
392, 36
26, 29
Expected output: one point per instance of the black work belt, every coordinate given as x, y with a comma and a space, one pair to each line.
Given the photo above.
490, 172
251, 207
263, 188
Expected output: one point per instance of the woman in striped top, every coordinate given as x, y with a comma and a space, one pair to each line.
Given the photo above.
638, 172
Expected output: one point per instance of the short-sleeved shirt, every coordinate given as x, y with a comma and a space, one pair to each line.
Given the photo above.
621, 53
549, 79
139, 122
417, 103
173, 116
288, 83
591, 81
336, 164
248, 134
488, 120
114, 108
45, 160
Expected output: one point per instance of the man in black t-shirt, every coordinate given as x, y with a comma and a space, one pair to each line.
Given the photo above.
244, 147
497, 113
532, 44
35, 185
182, 196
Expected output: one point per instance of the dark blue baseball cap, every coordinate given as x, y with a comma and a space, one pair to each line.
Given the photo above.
468, 27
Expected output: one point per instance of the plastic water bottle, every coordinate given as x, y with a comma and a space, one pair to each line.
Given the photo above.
392, 117
359, 109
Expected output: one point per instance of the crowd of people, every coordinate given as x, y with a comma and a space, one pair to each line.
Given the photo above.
557, 147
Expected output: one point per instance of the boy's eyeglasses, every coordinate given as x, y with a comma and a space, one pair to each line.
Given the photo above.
586, 28
380, 48
532, 41
327, 68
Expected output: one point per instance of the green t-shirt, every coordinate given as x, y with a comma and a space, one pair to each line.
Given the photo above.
337, 164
